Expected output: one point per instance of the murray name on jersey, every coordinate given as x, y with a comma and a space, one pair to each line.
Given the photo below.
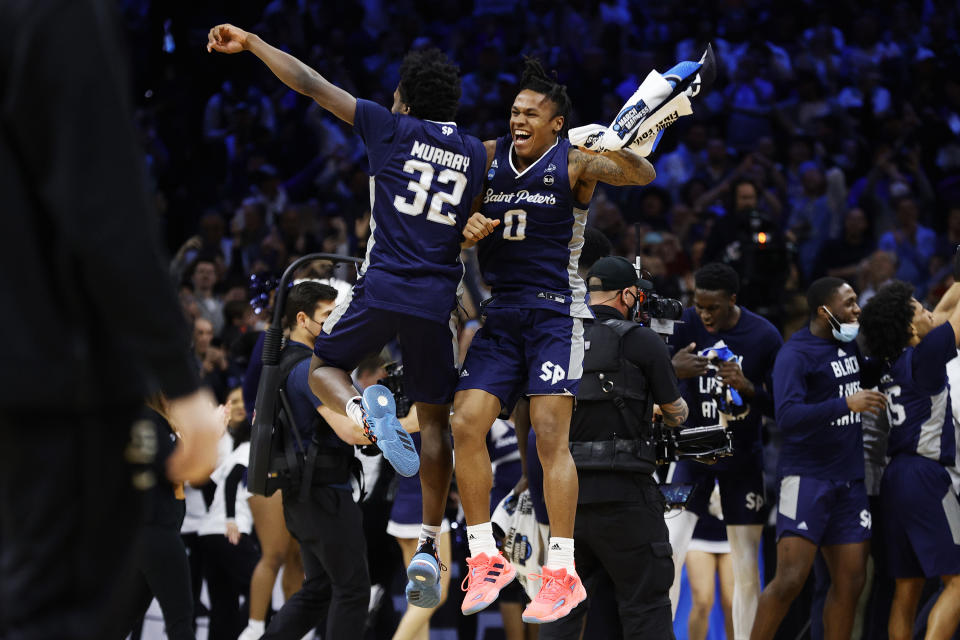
436, 155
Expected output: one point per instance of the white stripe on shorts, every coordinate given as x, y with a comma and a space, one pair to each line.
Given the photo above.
789, 496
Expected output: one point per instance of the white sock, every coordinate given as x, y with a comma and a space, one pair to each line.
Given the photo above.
256, 625
428, 531
355, 410
480, 539
560, 554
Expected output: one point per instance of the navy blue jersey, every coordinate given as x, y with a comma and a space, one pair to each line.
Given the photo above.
424, 176
812, 379
757, 341
918, 398
530, 260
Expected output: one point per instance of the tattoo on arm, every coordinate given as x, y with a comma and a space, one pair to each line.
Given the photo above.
675, 413
619, 168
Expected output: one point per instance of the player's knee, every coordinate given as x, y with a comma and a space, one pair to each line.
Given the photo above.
850, 585
787, 585
466, 428
552, 436
274, 558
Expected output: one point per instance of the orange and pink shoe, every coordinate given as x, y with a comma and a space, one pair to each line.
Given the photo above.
559, 593
486, 577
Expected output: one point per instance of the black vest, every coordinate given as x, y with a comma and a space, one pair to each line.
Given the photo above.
325, 459
610, 379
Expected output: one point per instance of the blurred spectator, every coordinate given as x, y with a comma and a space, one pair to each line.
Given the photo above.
844, 257
674, 169
230, 106
913, 244
879, 270
210, 359
749, 101
203, 276
813, 220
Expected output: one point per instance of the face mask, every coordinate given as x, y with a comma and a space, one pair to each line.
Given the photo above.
844, 332
633, 311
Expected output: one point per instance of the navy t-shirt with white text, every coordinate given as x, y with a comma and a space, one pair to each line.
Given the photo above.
822, 437
758, 342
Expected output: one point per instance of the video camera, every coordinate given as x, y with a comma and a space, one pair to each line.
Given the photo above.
762, 256
703, 444
655, 311
394, 382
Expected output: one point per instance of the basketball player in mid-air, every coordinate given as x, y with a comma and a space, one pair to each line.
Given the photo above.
425, 177
920, 508
535, 209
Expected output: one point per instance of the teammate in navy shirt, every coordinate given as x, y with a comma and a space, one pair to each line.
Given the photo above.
424, 177
716, 319
920, 506
535, 200
823, 501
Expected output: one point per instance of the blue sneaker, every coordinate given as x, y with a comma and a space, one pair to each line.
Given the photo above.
384, 430
423, 589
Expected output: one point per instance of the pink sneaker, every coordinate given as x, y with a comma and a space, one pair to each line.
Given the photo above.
487, 576
559, 594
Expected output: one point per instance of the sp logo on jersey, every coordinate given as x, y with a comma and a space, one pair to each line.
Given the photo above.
446, 130
552, 373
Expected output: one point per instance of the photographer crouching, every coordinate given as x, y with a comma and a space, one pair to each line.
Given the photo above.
620, 532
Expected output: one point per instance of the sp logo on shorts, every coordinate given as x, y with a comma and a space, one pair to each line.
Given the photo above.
552, 373
755, 502
866, 520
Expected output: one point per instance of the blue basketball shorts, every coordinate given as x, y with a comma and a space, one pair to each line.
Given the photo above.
428, 349
825, 512
921, 518
524, 352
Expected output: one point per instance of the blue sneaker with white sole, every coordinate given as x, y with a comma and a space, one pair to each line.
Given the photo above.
384, 430
423, 589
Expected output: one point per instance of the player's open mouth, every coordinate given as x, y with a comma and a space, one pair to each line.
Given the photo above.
521, 135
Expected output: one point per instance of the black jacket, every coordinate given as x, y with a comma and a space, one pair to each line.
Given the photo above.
90, 318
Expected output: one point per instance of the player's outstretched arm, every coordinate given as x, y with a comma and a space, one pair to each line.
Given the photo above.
618, 168
227, 38
948, 309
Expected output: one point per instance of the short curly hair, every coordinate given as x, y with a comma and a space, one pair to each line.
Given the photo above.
535, 78
885, 320
821, 291
430, 85
716, 276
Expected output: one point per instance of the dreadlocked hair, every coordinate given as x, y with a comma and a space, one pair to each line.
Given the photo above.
430, 85
535, 78
885, 320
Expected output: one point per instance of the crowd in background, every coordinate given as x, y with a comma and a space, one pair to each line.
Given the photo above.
834, 129
829, 145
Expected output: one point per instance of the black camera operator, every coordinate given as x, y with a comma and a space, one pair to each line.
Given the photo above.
752, 242
620, 531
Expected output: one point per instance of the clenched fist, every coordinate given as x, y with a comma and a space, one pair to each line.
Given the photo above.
226, 38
